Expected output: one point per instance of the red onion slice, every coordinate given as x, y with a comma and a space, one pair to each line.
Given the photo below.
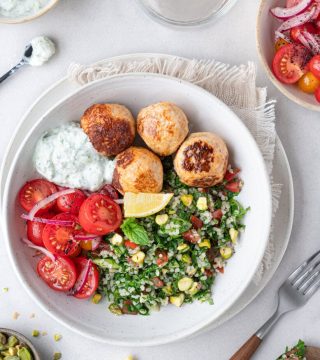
48, 200
48, 221
279, 35
285, 13
119, 201
82, 278
96, 242
304, 41
314, 45
39, 248
298, 20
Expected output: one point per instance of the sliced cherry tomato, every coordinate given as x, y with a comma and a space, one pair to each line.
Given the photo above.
289, 63
34, 191
92, 282
220, 269
317, 94
279, 43
196, 222
71, 202
191, 236
231, 175
60, 274
35, 229
60, 239
314, 66
100, 215
157, 282
234, 186
131, 245
217, 214
110, 191
298, 30
309, 83
162, 257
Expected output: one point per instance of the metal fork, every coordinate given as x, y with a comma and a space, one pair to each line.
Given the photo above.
300, 286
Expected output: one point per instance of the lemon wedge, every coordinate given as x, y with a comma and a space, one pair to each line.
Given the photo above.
144, 204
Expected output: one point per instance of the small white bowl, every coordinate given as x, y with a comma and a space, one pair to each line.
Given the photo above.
266, 26
22, 19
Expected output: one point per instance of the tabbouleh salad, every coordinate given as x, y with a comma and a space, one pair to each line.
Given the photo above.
174, 255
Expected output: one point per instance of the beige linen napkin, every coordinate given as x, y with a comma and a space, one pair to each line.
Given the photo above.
234, 85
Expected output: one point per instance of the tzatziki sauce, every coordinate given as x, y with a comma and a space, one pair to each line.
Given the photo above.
20, 8
65, 156
42, 50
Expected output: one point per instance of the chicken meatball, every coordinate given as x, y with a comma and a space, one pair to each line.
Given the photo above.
138, 170
110, 128
163, 127
202, 160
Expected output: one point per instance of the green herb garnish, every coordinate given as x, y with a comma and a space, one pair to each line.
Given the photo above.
135, 232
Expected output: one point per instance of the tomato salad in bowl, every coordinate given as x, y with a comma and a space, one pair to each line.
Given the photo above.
297, 45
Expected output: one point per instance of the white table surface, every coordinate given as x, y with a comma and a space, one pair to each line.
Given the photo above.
87, 31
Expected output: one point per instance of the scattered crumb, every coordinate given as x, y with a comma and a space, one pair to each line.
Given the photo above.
15, 315
35, 333
44, 333
5, 290
57, 337
32, 316
130, 357
57, 356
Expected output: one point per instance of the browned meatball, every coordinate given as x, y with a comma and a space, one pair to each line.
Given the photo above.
202, 160
163, 127
110, 128
138, 170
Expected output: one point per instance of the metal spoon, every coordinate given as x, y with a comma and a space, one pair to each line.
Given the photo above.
24, 61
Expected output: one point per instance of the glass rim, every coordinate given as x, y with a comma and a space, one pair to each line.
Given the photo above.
224, 8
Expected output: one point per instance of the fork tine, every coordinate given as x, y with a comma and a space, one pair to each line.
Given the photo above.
312, 288
309, 280
292, 278
303, 278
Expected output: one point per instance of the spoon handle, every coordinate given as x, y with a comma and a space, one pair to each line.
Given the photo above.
12, 71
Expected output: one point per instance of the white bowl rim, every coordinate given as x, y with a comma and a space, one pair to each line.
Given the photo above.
22, 19
274, 80
163, 339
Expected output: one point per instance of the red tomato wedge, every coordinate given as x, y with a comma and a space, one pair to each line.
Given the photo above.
35, 229
217, 214
297, 31
100, 215
92, 282
314, 66
231, 175
60, 274
71, 202
289, 63
34, 191
59, 239
162, 257
131, 245
234, 186
317, 94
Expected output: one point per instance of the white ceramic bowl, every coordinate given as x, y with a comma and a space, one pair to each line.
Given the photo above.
266, 26
206, 113
22, 19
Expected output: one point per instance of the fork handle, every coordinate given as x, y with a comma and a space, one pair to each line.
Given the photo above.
247, 349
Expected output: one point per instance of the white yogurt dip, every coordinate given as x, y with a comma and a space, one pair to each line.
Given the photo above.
66, 157
20, 8
42, 50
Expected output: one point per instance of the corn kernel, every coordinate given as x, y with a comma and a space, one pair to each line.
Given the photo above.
226, 252
185, 284
186, 199
35, 333
96, 298
177, 300
233, 235
162, 219
186, 259
183, 247
202, 203
205, 243
138, 258
194, 288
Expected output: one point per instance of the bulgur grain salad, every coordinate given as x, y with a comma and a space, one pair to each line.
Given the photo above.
182, 248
